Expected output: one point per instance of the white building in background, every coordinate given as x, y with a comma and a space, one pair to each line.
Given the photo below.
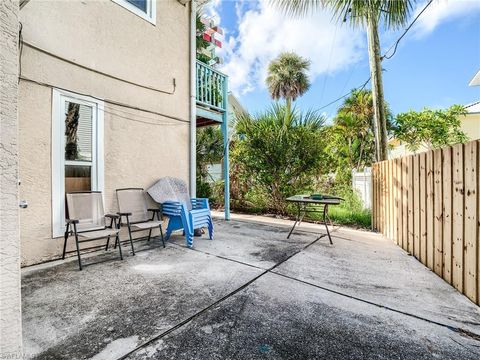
362, 184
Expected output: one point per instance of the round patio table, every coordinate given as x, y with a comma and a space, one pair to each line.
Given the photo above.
305, 204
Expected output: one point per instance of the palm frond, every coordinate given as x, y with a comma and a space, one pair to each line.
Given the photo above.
297, 7
287, 76
392, 13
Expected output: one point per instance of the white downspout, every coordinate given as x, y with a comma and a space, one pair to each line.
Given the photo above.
193, 112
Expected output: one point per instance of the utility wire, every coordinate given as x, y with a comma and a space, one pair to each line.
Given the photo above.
345, 95
395, 45
384, 56
113, 102
34, 47
348, 79
328, 65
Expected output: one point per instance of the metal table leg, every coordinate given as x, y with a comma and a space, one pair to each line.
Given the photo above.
325, 216
296, 220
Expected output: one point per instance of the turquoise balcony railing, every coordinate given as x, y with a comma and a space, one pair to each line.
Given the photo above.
211, 87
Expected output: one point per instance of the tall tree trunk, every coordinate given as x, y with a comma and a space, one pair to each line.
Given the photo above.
288, 102
380, 120
360, 157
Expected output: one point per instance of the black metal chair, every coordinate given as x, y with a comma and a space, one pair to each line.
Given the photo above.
86, 221
133, 207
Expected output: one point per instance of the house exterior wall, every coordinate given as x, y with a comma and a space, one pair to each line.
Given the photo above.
10, 306
471, 126
139, 147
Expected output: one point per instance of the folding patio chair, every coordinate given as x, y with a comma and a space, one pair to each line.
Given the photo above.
133, 206
184, 213
86, 221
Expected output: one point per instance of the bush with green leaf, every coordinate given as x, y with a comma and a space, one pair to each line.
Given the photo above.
279, 152
430, 128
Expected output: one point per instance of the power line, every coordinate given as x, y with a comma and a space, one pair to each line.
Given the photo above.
34, 47
348, 79
384, 56
395, 45
328, 65
345, 95
113, 102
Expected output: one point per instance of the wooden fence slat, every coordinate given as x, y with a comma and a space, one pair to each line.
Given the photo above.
458, 217
423, 209
471, 220
379, 191
411, 208
447, 213
374, 208
438, 212
392, 201
405, 203
391, 209
390, 198
430, 210
398, 201
385, 198
478, 224
416, 206
378, 200
382, 199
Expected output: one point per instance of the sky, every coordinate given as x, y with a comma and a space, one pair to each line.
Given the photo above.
432, 67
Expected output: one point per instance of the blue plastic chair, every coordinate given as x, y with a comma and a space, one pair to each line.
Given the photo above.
180, 217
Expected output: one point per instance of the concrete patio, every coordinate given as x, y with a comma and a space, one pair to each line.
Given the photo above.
249, 294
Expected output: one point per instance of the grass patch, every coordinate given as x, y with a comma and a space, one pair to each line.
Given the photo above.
343, 216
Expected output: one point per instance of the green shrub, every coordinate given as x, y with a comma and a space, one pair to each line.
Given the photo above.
204, 190
278, 154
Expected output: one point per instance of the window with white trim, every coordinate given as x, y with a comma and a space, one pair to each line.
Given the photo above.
146, 9
77, 150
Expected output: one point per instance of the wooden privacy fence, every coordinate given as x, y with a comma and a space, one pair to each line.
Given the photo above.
429, 204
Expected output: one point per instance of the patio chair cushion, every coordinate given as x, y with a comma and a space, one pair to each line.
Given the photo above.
147, 225
99, 233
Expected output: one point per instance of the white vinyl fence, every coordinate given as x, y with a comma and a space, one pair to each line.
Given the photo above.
362, 183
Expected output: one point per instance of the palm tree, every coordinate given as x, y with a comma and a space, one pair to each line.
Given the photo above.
287, 78
366, 13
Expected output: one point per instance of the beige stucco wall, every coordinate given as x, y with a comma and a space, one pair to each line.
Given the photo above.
139, 147
10, 306
471, 126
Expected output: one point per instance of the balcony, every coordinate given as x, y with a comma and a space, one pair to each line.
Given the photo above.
211, 95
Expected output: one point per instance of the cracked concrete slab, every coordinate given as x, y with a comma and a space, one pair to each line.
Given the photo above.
377, 270
261, 245
110, 308
279, 318
71, 314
